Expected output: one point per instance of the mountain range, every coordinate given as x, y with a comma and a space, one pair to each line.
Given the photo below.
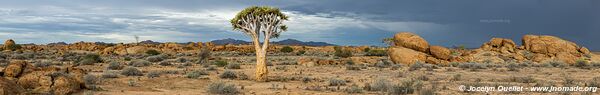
282, 42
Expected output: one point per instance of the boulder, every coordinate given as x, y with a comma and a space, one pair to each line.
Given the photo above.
16, 68
401, 55
8, 87
411, 41
137, 50
566, 57
548, 45
64, 85
9, 44
584, 50
440, 52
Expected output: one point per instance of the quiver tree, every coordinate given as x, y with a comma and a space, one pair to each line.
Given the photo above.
260, 22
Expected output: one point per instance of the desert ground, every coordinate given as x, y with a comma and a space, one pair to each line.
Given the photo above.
203, 68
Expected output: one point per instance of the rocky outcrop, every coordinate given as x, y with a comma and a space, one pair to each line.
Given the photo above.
10, 45
440, 52
401, 55
54, 80
411, 41
500, 45
8, 87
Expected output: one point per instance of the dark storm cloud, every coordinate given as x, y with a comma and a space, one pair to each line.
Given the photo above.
345, 22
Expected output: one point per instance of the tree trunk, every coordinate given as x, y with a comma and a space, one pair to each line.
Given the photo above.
261, 66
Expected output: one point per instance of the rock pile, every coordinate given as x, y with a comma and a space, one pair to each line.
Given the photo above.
409, 48
52, 80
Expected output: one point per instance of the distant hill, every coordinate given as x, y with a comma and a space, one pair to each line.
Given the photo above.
229, 41
300, 43
282, 42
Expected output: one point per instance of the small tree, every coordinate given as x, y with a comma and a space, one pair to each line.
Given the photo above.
256, 22
137, 39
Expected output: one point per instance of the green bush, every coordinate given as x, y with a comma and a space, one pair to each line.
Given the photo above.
287, 49
222, 88
152, 52
337, 82
366, 49
228, 75
108, 74
131, 71
90, 59
376, 52
153, 74
13, 47
354, 89
139, 63
196, 74
339, 52
221, 63
582, 64
155, 58
233, 66
114, 66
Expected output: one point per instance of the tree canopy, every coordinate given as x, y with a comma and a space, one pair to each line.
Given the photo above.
256, 19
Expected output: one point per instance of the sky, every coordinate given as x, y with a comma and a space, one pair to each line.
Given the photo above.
342, 22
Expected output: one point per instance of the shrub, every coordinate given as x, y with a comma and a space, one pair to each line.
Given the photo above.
228, 75
107, 74
367, 49
337, 82
114, 66
418, 65
155, 58
90, 81
152, 52
181, 60
127, 58
406, 87
165, 63
454, 64
221, 63
354, 89
196, 74
472, 66
526, 79
339, 52
287, 49
379, 85
377, 53
13, 47
131, 71
352, 67
222, 88
41, 64
301, 52
306, 79
204, 54
427, 92
153, 74
243, 76
582, 64
90, 59
558, 64
512, 67
233, 66
139, 63
456, 77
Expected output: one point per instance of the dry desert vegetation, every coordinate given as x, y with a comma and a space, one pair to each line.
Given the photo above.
409, 66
